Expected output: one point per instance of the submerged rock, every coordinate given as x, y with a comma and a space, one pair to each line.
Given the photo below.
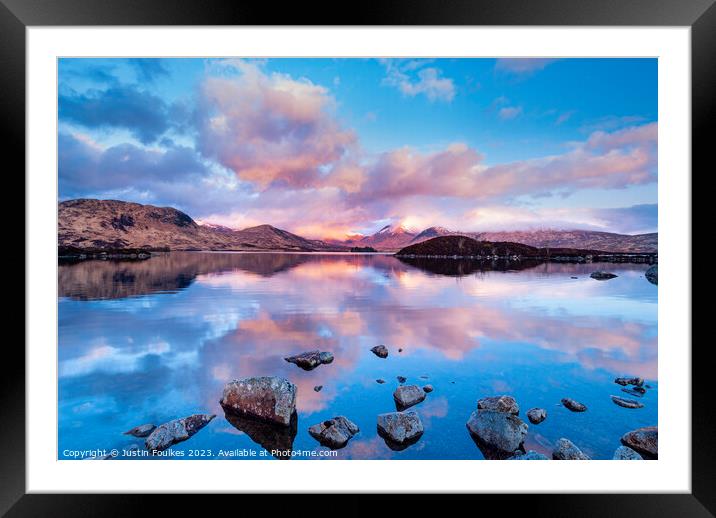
176, 431
574, 406
400, 429
402, 379
270, 398
626, 403
602, 276
530, 455
143, 430
318, 388
277, 439
428, 389
501, 431
652, 274
566, 450
380, 351
637, 382
334, 433
407, 396
644, 441
536, 415
636, 391
624, 453
310, 360
499, 404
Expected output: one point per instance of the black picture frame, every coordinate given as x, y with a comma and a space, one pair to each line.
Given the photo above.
700, 15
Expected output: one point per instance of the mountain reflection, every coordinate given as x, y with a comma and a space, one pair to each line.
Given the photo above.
462, 267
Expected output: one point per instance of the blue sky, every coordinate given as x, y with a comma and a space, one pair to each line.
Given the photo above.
329, 147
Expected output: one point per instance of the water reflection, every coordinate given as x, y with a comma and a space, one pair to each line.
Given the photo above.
154, 340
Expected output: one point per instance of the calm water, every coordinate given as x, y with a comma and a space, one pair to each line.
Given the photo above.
156, 340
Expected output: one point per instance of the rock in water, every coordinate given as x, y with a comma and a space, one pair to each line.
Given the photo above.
428, 389
310, 360
637, 382
400, 429
602, 276
270, 398
566, 450
318, 388
644, 441
334, 433
574, 406
142, 430
530, 455
502, 431
652, 274
536, 415
402, 379
624, 453
626, 403
407, 396
499, 404
176, 431
380, 350
380, 381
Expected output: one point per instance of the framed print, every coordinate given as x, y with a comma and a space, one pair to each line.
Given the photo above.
404, 251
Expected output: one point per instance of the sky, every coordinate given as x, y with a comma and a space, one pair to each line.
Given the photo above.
328, 148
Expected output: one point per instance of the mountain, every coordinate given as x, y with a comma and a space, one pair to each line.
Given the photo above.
388, 238
112, 224
432, 232
587, 239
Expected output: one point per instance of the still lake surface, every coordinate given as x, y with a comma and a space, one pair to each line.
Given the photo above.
155, 340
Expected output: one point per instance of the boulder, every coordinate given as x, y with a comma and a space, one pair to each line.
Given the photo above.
502, 431
400, 429
408, 395
380, 351
637, 382
317, 388
143, 430
652, 274
644, 441
402, 379
566, 450
428, 389
176, 431
499, 404
626, 403
602, 276
277, 439
530, 455
624, 453
334, 433
380, 381
536, 415
269, 398
310, 360
574, 406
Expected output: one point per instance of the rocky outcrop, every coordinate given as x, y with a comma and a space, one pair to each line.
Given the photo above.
407, 396
566, 450
380, 351
624, 453
530, 455
143, 430
536, 415
602, 276
334, 433
502, 431
176, 431
269, 398
637, 382
626, 403
499, 404
652, 274
277, 439
310, 360
574, 406
400, 429
644, 441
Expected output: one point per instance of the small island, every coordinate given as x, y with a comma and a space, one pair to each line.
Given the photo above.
362, 249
